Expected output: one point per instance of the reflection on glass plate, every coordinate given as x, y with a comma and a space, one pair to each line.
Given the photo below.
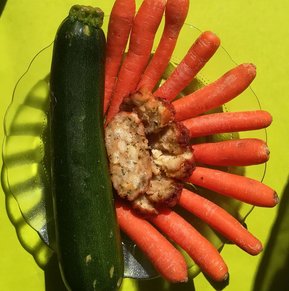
25, 173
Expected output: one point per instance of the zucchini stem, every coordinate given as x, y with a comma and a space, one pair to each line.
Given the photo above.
92, 16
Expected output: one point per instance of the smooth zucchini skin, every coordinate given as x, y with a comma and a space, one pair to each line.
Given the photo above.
87, 234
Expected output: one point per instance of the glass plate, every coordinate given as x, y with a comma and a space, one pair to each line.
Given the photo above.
25, 177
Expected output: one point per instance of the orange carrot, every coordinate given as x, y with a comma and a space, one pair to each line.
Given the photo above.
227, 122
215, 94
175, 15
167, 260
220, 220
119, 27
204, 254
145, 25
240, 152
195, 59
239, 187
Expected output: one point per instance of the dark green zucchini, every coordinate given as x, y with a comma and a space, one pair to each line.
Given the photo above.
87, 234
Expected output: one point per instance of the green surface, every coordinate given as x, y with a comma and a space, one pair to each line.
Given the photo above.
251, 31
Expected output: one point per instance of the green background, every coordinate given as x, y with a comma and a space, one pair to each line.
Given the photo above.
251, 31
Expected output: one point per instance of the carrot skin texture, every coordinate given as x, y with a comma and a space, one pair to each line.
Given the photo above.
221, 221
144, 28
239, 187
199, 248
195, 59
167, 260
175, 15
224, 89
227, 122
119, 27
240, 152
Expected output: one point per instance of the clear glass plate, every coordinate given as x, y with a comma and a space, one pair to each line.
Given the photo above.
25, 177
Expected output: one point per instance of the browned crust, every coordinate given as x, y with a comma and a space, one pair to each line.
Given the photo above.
164, 191
172, 139
143, 205
175, 166
154, 112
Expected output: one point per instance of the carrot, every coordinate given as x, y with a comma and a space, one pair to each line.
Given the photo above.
145, 25
239, 187
220, 220
204, 254
240, 152
195, 59
167, 260
215, 94
227, 122
119, 27
175, 15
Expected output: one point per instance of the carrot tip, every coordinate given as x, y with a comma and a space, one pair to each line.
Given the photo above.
226, 277
251, 69
256, 249
259, 249
184, 280
178, 279
212, 37
276, 198
220, 283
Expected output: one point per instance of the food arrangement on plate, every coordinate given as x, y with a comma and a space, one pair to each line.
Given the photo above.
136, 154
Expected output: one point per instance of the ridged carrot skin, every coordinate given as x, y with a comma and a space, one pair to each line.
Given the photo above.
204, 254
239, 152
167, 260
239, 187
224, 122
175, 15
119, 27
146, 23
197, 56
224, 89
221, 221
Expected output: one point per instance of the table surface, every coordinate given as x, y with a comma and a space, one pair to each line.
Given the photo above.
251, 31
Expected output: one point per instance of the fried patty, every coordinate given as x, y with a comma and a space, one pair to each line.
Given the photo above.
149, 152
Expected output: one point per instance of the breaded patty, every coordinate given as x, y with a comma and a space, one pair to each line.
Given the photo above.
149, 152
128, 154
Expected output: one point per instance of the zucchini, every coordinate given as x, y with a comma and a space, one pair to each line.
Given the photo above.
87, 234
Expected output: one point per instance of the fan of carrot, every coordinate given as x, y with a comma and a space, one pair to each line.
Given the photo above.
127, 72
